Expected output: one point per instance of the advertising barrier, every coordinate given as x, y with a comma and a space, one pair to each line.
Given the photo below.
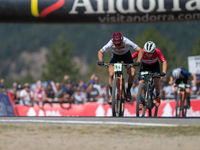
98, 11
6, 108
166, 109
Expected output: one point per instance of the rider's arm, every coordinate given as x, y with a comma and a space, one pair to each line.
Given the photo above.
171, 80
194, 77
162, 59
185, 72
164, 67
140, 54
100, 55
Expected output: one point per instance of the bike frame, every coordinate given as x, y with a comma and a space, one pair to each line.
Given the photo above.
149, 85
181, 89
118, 82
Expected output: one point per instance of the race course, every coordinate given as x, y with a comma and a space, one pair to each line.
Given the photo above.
127, 121
99, 133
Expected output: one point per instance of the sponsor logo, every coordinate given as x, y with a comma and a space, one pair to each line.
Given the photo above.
47, 10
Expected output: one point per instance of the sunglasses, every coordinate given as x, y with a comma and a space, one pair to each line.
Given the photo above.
149, 53
118, 44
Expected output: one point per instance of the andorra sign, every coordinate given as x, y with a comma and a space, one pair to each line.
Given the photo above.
98, 11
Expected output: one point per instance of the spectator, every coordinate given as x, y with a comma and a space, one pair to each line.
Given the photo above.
77, 97
198, 85
92, 93
169, 91
98, 87
2, 88
104, 93
67, 92
39, 93
74, 86
50, 91
59, 94
164, 84
65, 78
83, 93
193, 88
134, 90
14, 90
19, 88
26, 95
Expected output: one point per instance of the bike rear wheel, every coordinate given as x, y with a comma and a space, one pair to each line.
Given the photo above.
141, 93
117, 104
178, 102
185, 104
156, 111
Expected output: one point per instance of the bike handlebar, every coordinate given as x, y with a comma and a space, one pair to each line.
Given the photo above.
153, 74
123, 64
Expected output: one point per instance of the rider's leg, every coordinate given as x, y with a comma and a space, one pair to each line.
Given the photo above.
111, 72
131, 73
188, 96
175, 92
158, 88
142, 95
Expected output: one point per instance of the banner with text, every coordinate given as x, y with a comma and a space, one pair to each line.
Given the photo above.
166, 109
98, 11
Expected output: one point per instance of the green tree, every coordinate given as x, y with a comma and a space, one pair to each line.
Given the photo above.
195, 49
60, 62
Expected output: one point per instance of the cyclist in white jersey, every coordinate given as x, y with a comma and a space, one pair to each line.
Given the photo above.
120, 47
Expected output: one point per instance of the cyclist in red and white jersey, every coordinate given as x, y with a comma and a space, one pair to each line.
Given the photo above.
120, 47
150, 63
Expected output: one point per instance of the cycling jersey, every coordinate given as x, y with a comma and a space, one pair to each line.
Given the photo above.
153, 59
125, 47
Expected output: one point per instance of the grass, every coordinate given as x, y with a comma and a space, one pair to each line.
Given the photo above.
107, 130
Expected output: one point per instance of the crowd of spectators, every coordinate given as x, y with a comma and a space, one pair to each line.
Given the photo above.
50, 92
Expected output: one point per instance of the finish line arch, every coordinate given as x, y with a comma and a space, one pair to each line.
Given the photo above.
98, 11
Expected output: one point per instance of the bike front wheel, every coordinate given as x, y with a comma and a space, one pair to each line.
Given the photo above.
139, 101
117, 102
181, 106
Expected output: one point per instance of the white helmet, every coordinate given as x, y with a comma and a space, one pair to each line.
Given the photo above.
149, 47
176, 73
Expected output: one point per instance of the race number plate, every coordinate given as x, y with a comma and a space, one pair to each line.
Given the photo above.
144, 72
117, 67
182, 85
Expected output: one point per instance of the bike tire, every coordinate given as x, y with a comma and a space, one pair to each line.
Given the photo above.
116, 103
185, 107
156, 111
122, 101
138, 99
178, 105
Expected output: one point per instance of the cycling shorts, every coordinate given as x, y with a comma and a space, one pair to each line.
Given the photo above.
151, 68
184, 80
126, 58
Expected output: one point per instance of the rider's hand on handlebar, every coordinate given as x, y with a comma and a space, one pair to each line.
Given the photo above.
100, 63
162, 74
136, 63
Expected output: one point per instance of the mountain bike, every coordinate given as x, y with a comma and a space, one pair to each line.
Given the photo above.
118, 89
181, 101
146, 95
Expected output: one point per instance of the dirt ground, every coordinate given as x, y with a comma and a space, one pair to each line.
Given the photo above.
74, 137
